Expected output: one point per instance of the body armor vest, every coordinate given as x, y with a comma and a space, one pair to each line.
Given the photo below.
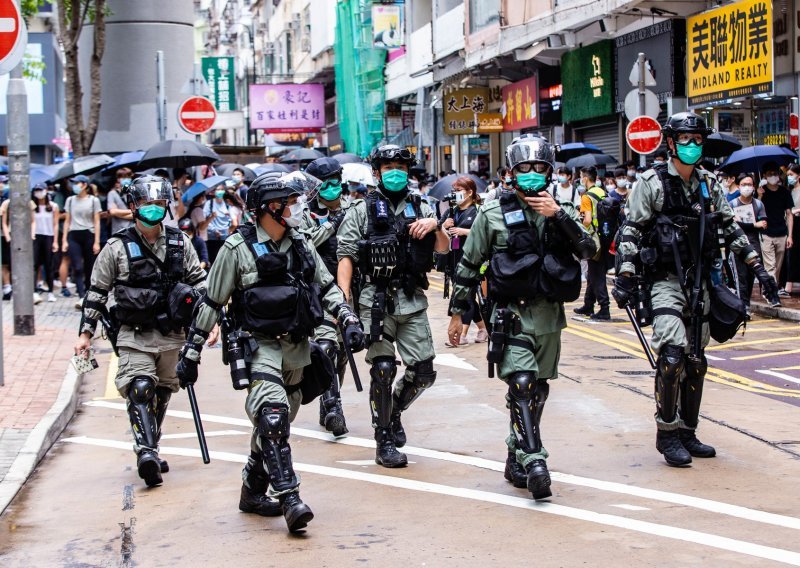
327, 250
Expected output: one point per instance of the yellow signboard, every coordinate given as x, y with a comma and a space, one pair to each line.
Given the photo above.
464, 109
729, 52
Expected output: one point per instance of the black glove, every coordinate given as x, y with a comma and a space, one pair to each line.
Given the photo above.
624, 291
352, 329
188, 361
768, 285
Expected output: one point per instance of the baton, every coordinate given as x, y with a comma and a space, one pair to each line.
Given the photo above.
352, 362
198, 425
640, 335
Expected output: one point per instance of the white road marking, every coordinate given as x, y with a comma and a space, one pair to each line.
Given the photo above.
631, 507
783, 376
714, 358
451, 360
666, 531
362, 463
610, 486
209, 434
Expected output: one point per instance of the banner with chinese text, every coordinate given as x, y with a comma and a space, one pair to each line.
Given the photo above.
464, 109
218, 73
287, 107
520, 105
729, 52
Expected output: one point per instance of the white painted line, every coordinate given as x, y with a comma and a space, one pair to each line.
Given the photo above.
714, 358
630, 507
208, 434
196, 114
362, 463
451, 360
628, 332
610, 486
666, 531
783, 376
8, 25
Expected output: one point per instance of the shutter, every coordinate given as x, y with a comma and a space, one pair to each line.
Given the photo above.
604, 136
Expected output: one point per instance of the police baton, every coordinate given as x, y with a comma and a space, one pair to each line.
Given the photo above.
640, 334
198, 424
352, 362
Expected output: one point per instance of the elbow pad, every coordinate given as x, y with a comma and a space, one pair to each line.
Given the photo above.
581, 242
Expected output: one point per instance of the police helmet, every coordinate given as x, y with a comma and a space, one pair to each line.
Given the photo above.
688, 122
530, 148
266, 188
259, 182
324, 168
148, 188
391, 153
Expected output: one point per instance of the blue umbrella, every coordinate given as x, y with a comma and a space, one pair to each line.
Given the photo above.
202, 186
575, 149
43, 174
752, 159
125, 160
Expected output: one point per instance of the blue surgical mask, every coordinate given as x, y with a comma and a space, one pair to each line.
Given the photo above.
791, 180
395, 180
562, 179
689, 153
508, 180
76, 189
152, 214
330, 190
531, 182
125, 182
219, 194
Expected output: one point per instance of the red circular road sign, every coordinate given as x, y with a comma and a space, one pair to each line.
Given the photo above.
12, 35
643, 135
197, 115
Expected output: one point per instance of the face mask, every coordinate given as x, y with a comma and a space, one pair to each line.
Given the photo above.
125, 182
531, 182
689, 153
610, 188
791, 180
508, 180
762, 182
746, 190
459, 197
631, 173
295, 215
237, 179
562, 179
658, 162
330, 190
581, 189
622, 182
394, 180
76, 189
38, 194
219, 194
151, 215
773, 180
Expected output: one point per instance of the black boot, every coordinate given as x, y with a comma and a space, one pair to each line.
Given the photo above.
142, 413
296, 513
515, 473
332, 416
386, 453
669, 444
538, 479
149, 468
694, 446
398, 431
163, 394
603, 315
584, 311
258, 503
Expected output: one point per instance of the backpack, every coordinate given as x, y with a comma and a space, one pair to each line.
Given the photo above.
606, 216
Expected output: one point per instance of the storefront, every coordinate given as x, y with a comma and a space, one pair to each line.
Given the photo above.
468, 118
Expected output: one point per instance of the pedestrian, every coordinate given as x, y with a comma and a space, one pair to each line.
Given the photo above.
392, 300
45, 242
155, 276
749, 213
596, 289
730, 185
177, 209
5, 253
236, 208
656, 249
660, 157
457, 223
564, 191
196, 212
120, 213
186, 226
526, 296
81, 238
217, 212
253, 270
239, 185
793, 271
778, 204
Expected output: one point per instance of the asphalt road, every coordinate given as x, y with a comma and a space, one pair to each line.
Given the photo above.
614, 500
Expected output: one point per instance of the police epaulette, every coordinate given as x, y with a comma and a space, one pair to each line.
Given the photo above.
234, 240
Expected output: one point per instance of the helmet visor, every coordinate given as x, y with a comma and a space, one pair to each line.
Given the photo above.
150, 190
530, 151
300, 183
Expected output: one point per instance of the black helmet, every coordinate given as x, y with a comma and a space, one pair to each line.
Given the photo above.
259, 182
530, 148
185, 224
148, 188
324, 168
267, 188
390, 153
686, 122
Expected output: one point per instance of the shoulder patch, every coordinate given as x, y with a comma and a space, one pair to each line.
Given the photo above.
493, 204
234, 241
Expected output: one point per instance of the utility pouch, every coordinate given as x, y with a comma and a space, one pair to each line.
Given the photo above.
512, 277
135, 306
272, 267
727, 313
318, 376
560, 278
181, 303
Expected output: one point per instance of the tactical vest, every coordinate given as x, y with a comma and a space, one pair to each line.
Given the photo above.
143, 299
285, 301
326, 250
389, 257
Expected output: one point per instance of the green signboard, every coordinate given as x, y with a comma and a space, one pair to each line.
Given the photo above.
587, 76
218, 73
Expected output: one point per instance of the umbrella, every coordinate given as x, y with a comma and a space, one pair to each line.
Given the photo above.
227, 170
302, 155
719, 145
125, 160
588, 160
84, 165
202, 186
752, 159
347, 158
271, 167
445, 185
177, 154
358, 173
43, 174
575, 149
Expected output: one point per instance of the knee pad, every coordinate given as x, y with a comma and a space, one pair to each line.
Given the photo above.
522, 384
671, 363
273, 423
696, 369
541, 391
142, 389
383, 370
424, 375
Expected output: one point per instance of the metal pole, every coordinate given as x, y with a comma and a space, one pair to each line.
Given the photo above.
20, 206
642, 65
161, 97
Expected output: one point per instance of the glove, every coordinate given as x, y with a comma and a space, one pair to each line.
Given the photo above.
624, 291
353, 330
335, 219
188, 361
768, 285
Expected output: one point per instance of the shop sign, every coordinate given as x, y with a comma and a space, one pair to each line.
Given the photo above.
466, 109
587, 75
550, 104
479, 145
218, 73
520, 105
664, 46
729, 52
287, 107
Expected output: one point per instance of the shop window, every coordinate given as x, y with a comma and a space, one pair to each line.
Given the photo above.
482, 14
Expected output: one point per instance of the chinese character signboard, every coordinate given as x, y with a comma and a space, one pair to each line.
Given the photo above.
387, 25
729, 52
520, 105
287, 107
587, 74
464, 109
218, 73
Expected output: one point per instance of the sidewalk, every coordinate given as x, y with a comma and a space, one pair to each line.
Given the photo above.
789, 310
40, 393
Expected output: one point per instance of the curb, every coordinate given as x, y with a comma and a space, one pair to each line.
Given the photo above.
42, 437
762, 309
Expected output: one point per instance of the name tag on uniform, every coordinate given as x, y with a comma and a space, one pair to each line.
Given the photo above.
409, 212
134, 250
515, 217
261, 249
175, 243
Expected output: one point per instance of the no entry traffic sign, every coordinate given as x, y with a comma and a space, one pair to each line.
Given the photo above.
13, 36
196, 115
643, 135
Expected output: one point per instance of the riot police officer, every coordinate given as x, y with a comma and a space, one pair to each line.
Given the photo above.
321, 220
529, 241
156, 277
279, 286
391, 236
669, 249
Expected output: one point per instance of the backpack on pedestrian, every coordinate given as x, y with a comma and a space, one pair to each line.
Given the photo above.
606, 216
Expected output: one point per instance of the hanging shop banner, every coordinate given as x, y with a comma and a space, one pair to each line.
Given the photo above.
520, 105
218, 73
466, 110
587, 75
287, 107
387, 25
729, 52
664, 46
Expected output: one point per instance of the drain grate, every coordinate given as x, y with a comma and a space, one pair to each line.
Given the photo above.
635, 373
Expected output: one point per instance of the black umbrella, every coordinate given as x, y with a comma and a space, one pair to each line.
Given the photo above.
302, 155
227, 170
591, 160
445, 185
126, 160
177, 154
347, 158
575, 149
84, 165
719, 145
754, 158
271, 167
